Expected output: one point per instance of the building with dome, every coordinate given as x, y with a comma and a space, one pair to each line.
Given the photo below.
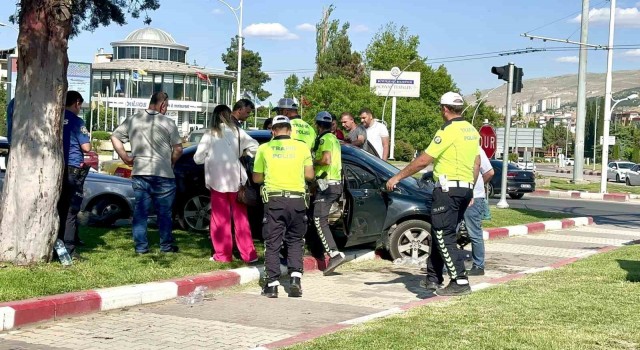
150, 60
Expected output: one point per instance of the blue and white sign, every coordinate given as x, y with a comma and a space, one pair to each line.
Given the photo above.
395, 83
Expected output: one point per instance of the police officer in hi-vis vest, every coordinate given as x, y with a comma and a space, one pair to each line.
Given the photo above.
456, 163
300, 130
283, 165
328, 165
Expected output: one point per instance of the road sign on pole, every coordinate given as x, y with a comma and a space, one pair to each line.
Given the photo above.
488, 140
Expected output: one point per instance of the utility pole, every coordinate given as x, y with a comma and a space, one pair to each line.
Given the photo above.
595, 135
239, 21
502, 204
578, 154
607, 100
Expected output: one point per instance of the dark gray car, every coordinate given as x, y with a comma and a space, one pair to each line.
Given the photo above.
106, 198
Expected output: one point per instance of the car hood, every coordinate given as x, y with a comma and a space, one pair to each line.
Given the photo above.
104, 178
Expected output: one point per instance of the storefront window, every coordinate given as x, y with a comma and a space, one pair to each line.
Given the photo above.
178, 87
146, 86
191, 88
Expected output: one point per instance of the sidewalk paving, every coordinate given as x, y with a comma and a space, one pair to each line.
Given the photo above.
239, 318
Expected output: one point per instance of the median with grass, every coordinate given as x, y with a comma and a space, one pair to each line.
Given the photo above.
612, 187
111, 261
590, 304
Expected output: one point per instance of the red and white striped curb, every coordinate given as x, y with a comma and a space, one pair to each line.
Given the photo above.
19, 313
611, 197
302, 337
535, 227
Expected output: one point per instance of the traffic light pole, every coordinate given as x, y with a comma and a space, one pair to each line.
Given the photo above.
502, 204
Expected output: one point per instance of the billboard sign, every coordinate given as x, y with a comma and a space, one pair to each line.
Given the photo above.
395, 83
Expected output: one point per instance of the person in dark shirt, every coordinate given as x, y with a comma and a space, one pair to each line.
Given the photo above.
241, 111
75, 142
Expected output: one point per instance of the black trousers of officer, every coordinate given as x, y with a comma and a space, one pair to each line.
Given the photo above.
446, 212
321, 208
284, 219
69, 205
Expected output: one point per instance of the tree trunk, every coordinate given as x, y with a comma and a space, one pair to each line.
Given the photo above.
28, 216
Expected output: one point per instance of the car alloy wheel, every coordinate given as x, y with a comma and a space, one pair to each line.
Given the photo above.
105, 212
411, 239
617, 177
628, 181
196, 212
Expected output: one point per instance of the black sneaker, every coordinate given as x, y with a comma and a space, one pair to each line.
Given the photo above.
475, 271
270, 292
77, 257
430, 286
295, 288
173, 249
334, 262
454, 289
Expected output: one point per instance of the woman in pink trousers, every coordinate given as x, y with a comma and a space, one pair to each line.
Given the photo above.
219, 150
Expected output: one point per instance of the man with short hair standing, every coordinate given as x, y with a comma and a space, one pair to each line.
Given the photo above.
75, 142
283, 165
155, 147
456, 162
377, 133
300, 130
241, 111
328, 167
357, 135
474, 214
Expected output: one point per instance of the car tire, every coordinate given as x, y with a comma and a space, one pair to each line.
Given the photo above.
516, 195
411, 239
195, 213
106, 211
618, 178
628, 181
490, 191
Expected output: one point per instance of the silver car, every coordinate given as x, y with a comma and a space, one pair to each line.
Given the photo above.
633, 176
618, 170
106, 198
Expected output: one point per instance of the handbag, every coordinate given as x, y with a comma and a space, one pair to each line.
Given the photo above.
247, 194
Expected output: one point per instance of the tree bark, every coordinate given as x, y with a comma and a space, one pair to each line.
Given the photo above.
28, 214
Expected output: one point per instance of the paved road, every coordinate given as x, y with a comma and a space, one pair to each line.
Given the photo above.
242, 319
624, 215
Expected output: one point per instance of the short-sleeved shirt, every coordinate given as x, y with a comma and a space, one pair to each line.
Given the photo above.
152, 136
74, 135
485, 167
375, 133
329, 143
355, 133
282, 161
302, 131
454, 150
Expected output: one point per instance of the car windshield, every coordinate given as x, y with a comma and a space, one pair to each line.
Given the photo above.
625, 165
195, 137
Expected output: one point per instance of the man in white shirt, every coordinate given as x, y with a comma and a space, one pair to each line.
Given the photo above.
474, 214
377, 133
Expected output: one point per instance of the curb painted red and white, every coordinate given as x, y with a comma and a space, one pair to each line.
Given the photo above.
19, 313
610, 197
302, 337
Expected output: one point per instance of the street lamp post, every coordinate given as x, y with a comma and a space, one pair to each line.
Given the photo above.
237, 12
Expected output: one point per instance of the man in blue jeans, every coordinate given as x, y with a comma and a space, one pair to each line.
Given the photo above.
474, 214
155, 147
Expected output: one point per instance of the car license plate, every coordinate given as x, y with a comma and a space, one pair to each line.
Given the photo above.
525, 186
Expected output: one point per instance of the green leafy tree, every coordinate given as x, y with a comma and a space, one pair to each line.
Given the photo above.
253, 78
334, 57
556, 136
28, 215
292, 86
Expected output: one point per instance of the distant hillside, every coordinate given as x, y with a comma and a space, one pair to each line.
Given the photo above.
564, 86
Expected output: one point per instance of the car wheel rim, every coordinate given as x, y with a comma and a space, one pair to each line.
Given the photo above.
110, 210
414, 244
197, 212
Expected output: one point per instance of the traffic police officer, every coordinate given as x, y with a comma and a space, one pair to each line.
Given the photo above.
75, 142
283, 165
456, 162
328, 167
300, 130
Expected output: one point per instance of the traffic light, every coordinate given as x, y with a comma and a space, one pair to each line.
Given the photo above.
517, 80
501, 72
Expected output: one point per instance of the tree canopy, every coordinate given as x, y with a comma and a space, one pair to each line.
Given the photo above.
253, 78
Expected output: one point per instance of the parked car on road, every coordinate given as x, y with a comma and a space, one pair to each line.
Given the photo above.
633, 176
366, 214
618, 170
106, 198
519, 181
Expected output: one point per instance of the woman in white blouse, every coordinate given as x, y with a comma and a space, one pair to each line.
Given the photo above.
220, 149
